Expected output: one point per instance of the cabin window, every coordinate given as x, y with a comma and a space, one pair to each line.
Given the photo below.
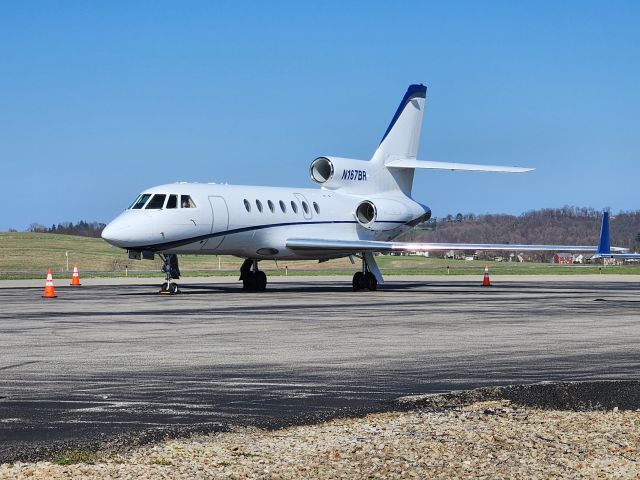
186, 201
156, 202
247, 205
316, 207
271, 207
259, 205
294, 207
283, 206
173, 201
142, 199
305, 207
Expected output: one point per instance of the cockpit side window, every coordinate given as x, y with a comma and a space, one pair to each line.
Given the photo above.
134, 202
156, 202
173, 201
139, 203
187, 202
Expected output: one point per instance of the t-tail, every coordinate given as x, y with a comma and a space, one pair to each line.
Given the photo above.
398, 149
393, 164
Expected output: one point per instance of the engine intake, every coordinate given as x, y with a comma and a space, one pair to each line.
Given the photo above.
321, 170
366, 213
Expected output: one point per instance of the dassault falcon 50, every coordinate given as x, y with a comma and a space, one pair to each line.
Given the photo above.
360, 207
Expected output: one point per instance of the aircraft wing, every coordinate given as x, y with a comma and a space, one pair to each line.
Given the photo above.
603, 249
623, 256
356, 246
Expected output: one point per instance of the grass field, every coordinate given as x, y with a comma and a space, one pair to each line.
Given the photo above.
29, 255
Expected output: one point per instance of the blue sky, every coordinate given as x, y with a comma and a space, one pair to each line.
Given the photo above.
99, 100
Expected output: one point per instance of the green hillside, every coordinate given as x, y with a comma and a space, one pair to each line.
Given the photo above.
36, 252
29, 255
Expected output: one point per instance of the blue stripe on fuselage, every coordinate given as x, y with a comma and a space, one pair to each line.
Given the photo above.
187, 241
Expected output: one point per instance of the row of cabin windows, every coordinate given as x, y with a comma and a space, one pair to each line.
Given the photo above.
158, 201
283, 206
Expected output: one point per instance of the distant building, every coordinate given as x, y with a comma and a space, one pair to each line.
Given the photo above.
563, 258
409, 253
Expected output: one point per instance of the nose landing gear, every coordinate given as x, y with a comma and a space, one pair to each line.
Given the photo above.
252, 278
171, 270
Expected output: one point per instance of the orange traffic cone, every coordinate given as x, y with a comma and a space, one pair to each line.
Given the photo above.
485, 280
49, 290
75, 279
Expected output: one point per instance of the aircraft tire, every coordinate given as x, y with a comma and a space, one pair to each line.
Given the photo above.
256, 282
357, 282
370, 281
164, 287
260, 279
173, 289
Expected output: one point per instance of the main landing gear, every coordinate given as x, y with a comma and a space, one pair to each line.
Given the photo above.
171, 270
364, 280
367, 278
252, 278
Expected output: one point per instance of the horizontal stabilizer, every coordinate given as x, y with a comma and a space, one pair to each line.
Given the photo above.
412, 163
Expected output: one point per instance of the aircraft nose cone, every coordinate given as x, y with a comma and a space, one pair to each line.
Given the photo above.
116, 232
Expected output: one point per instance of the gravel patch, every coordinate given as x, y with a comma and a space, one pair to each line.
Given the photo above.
494, 439
458, 435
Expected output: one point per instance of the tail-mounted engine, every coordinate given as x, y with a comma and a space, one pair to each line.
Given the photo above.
336, 172
387, 214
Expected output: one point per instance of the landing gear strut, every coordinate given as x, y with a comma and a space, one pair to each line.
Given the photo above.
171, 270
252, 278
366, 279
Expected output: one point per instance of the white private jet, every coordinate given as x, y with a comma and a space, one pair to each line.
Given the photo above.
360, 207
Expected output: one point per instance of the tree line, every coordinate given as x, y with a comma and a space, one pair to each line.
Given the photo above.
560, 226
82, 228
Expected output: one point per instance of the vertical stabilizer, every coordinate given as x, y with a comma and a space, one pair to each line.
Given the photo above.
604, 246
403, 134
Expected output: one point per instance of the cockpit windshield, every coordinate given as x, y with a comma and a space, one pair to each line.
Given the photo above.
156, 202
140, 201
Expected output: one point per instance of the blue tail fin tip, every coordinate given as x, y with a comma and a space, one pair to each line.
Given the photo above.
417, 90
604, 246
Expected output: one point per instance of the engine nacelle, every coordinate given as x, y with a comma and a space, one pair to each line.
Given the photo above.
336, 172
387, 214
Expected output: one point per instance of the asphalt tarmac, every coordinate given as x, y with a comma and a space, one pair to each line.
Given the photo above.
102, 361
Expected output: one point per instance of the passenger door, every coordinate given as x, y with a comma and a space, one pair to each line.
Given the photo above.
219, 222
